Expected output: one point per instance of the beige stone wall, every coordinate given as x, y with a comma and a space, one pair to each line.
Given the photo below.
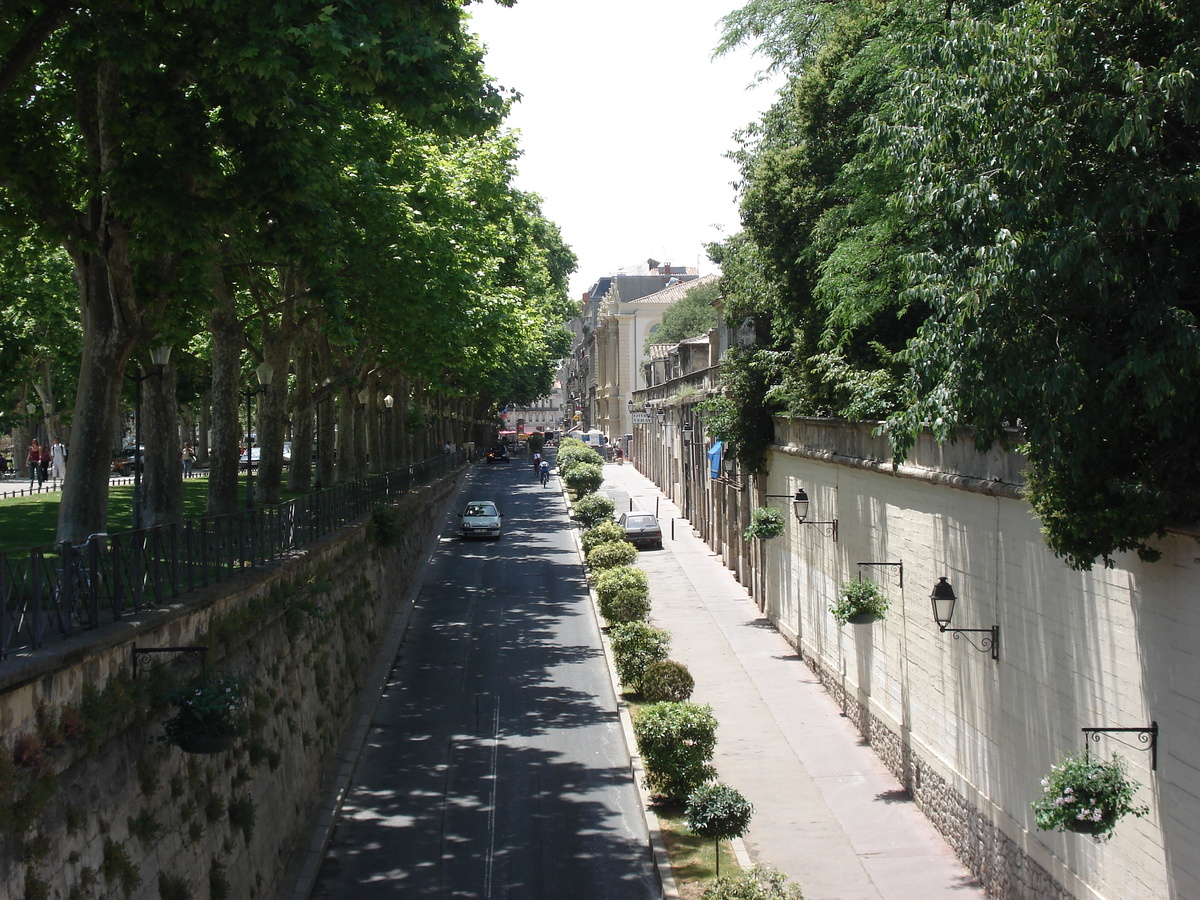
972, 738
111, 807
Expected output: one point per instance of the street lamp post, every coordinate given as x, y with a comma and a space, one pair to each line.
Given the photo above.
159, 357
263, 373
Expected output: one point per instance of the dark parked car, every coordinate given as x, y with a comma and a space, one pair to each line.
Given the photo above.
498, 454
641, 529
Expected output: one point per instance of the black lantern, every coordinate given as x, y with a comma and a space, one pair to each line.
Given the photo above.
800, 505
943, 600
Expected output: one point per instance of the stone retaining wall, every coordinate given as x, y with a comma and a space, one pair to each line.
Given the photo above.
95, 805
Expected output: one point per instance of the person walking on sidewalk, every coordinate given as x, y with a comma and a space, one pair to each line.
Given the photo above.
34, 460
58, 460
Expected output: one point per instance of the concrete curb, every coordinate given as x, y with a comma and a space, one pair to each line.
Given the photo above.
658, 847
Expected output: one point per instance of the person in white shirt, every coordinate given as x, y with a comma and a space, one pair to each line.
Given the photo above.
58, 460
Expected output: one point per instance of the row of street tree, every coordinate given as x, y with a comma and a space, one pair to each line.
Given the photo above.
982, 213
323, 188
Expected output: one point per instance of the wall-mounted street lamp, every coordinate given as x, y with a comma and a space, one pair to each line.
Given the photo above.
264, 374
943, 610
800, 503
629, 405
159, 357
662, 416
687, 431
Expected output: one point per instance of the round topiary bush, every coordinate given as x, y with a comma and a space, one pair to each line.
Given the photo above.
582, 478
624, 594
635, 647
611, 553
594, 509
572, 451
676, 741
607, 530
667, 680
719, 812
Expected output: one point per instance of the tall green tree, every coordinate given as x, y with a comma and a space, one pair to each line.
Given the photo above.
1051, 151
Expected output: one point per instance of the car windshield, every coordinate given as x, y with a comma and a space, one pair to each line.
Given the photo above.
481, 509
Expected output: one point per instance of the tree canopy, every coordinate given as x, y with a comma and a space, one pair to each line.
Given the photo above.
249, 184
984, 214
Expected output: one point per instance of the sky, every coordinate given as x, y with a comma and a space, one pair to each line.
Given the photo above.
624, 121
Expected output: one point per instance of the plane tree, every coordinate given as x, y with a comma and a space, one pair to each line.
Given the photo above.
124, 109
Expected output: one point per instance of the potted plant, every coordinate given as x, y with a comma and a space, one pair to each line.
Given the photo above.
765, 523
859, 602
1086, 796
209, 713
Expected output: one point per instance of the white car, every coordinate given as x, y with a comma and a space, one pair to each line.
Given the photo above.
481, 518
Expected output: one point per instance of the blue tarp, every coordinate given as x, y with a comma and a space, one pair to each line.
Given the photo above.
714, 459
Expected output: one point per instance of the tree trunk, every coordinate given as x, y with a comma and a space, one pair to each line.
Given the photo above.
204, 425
228, 340
162, 481
107, 344
326, 418
272, 404
300, 470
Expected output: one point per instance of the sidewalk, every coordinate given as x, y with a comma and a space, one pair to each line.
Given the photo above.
827, 811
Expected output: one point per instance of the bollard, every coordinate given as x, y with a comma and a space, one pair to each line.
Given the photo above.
672, 528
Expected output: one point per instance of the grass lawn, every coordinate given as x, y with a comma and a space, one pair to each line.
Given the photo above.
32, 521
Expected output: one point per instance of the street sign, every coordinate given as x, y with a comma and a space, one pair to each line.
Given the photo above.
642, 418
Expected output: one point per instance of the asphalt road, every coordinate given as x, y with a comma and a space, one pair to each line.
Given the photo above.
495, 766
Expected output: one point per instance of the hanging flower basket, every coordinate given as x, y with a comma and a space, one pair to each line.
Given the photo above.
765, 523
1086, 796
859, 603
209, 713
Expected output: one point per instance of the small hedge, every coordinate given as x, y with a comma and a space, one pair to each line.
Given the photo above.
635, 647
624, 594
611, 553
667, 680
676, 741
593, 510
606, 530
582, 478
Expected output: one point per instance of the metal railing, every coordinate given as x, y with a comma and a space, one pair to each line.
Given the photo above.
55, 591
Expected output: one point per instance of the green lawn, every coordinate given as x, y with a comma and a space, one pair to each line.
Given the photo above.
32, 521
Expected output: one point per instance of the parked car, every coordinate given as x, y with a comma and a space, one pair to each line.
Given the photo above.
124, 461
498, 454
641, 529
481, 518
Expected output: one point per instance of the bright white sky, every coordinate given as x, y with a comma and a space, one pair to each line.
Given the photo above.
624, 120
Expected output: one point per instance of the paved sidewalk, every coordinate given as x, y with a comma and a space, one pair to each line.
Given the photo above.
827, 812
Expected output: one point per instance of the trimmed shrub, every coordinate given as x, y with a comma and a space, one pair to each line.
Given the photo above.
606, 530
572, 451
667, 680
583, 478
624, 594
719, 812
635, 647
758, 883
594, 509
611, 553
676, 741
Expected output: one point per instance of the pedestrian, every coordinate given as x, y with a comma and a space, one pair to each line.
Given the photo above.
34, 461
188, 458
58, 459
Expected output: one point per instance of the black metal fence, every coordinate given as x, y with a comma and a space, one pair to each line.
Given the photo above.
55, 591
